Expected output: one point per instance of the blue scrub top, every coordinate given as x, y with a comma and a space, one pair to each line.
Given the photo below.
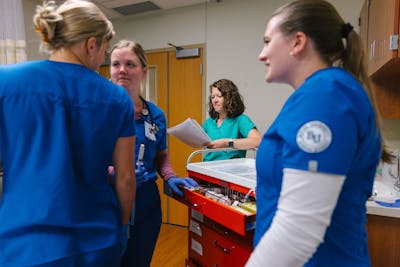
328, 124
156, 119
59, 123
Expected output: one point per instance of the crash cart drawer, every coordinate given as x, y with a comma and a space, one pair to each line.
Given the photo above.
210, 246
236, 219
225, 193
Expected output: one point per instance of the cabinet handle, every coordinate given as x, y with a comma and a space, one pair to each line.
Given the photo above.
220, 229
225, 250
372, 50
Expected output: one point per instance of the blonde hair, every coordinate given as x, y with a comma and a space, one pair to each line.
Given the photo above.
138, 50
72, 22
135, 48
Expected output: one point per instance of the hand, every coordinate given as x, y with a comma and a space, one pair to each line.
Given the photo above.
140, 173
219, 143
175, 182
111, 175
211, 145
124, 238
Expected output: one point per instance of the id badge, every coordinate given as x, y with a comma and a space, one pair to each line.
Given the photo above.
148, 131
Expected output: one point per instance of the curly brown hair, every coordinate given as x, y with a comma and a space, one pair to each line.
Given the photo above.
233, 101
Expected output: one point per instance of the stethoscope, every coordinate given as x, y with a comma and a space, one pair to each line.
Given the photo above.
146, 111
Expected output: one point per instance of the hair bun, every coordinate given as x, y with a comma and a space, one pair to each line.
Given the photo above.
45, 19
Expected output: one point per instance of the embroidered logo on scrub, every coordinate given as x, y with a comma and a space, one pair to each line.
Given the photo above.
314, 137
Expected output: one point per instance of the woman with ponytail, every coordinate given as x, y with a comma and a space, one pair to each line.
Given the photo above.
317, 161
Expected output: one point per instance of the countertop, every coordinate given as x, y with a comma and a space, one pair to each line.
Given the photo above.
376, 209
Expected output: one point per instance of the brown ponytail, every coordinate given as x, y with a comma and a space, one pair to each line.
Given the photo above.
336, 41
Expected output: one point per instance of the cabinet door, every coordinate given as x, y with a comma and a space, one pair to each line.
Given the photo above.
383, 21
383, 240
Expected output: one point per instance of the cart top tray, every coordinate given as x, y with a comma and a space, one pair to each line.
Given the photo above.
240, 171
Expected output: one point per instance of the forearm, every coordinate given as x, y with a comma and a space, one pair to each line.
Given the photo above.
245, 143
305, 207
126, 192
251, 141
125, 179
164, 166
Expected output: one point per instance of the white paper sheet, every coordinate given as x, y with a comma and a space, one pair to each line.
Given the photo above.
190, 132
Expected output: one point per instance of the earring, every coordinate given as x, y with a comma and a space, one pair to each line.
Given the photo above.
291, 53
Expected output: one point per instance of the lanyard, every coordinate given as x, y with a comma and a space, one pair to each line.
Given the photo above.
146, 111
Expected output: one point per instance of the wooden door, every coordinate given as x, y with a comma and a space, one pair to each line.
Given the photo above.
180, 95
104, 70
158, 64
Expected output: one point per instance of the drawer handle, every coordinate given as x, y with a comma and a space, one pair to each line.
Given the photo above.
225, 250
190, 203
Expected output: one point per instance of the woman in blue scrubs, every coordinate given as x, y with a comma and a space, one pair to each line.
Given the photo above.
58, 133
128, 69
317, 161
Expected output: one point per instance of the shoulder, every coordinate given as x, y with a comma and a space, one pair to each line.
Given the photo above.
243, 118
25, 77
154, 108
333, 79
328, 87
30, 66
208, 121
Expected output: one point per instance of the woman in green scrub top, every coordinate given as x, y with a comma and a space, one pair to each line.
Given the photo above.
227, 126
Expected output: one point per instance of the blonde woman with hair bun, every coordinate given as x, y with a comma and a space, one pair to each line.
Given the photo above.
62, 125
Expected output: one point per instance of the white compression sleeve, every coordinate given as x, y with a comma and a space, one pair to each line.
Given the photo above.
305, 207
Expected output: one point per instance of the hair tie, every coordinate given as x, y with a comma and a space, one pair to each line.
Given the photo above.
44, 37
346, 29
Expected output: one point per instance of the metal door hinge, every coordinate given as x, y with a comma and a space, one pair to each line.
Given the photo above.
394, 42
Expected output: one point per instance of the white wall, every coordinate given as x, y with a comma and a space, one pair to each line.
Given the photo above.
32, 38
232, 32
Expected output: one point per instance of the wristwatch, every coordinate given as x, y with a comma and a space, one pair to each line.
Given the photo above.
230, 142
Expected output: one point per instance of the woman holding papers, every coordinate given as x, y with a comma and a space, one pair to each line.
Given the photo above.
227, 125
128, 69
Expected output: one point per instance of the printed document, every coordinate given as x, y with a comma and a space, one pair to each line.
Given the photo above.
190, 132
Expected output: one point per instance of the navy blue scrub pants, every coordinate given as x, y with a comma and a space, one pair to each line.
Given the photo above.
144, 233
